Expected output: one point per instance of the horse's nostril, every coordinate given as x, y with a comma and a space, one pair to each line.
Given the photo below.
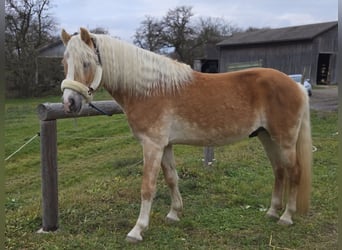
71, 101
67, 106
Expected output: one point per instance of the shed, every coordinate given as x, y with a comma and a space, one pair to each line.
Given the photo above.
209, 61
309, 49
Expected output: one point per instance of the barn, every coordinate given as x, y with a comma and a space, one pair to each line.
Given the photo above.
307, 49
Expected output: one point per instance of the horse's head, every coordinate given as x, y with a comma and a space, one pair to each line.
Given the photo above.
82, 68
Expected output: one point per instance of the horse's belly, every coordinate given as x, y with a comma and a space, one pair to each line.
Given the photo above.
198, 141
192, 134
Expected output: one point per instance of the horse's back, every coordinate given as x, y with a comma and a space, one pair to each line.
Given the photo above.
253, 80
241, 93
226, 107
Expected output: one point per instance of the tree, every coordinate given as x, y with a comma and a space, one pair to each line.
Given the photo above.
211, 31
28, 26
149, 35
251, 29
178, 31
99, 30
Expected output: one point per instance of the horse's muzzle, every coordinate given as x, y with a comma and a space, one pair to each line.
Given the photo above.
72, 101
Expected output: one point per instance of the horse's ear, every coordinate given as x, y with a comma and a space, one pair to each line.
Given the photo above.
65, 37
85, 36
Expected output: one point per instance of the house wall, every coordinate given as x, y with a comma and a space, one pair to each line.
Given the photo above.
327, 43
289, 57
286, 57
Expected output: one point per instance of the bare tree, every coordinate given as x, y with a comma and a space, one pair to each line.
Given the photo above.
99, 30
178, 31
28, 26
149, 35
251, 28
212, 30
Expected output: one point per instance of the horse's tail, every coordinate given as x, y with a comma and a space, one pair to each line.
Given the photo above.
304, 161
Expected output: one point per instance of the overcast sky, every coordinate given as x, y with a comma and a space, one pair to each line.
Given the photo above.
122, 18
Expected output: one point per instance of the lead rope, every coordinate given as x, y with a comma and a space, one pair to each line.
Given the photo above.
98, 109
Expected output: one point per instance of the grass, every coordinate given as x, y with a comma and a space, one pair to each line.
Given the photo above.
99, 165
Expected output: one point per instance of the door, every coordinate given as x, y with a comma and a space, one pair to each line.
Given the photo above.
323, 68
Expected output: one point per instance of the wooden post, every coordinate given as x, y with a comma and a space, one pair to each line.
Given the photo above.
48, 153
48, 113
208, 155
303, 76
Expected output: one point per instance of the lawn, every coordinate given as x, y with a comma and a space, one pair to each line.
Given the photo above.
99, 165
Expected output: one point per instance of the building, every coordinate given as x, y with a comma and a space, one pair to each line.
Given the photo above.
208, 63
49, 69
307, 49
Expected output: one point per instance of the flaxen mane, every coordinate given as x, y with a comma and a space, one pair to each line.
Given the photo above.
139, 71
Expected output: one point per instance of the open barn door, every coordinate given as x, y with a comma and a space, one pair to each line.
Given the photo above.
323, 68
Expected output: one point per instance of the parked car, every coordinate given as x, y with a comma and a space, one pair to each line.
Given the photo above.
307, 85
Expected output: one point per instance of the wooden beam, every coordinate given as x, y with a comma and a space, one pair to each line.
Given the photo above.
54, 111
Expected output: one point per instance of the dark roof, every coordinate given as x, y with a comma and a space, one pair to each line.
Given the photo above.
210, 52
54, 49
294, 33
49, 46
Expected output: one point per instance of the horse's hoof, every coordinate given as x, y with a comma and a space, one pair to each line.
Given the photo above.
172, 219
133, 240
271, 215
284, 222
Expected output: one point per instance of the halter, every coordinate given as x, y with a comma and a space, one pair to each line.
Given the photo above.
86, 92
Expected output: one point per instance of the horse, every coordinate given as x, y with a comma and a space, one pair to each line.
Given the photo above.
167, 103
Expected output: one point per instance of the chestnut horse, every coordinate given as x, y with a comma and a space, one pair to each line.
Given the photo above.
167, 103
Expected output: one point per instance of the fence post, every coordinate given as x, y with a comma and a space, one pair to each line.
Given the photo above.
48, 113
208, 155
48, 154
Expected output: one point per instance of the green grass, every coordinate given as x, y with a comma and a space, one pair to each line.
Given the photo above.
99, 165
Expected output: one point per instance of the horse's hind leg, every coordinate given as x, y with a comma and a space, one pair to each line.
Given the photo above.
286, 171
273, 153
171, 178
293, 178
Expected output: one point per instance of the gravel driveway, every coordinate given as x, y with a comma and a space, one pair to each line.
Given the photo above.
324, 98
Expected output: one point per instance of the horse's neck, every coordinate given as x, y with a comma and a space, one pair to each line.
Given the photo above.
122, 100
120, 96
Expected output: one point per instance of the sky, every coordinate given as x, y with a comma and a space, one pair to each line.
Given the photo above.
122, 18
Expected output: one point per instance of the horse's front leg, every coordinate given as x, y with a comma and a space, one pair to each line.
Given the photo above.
152, 162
